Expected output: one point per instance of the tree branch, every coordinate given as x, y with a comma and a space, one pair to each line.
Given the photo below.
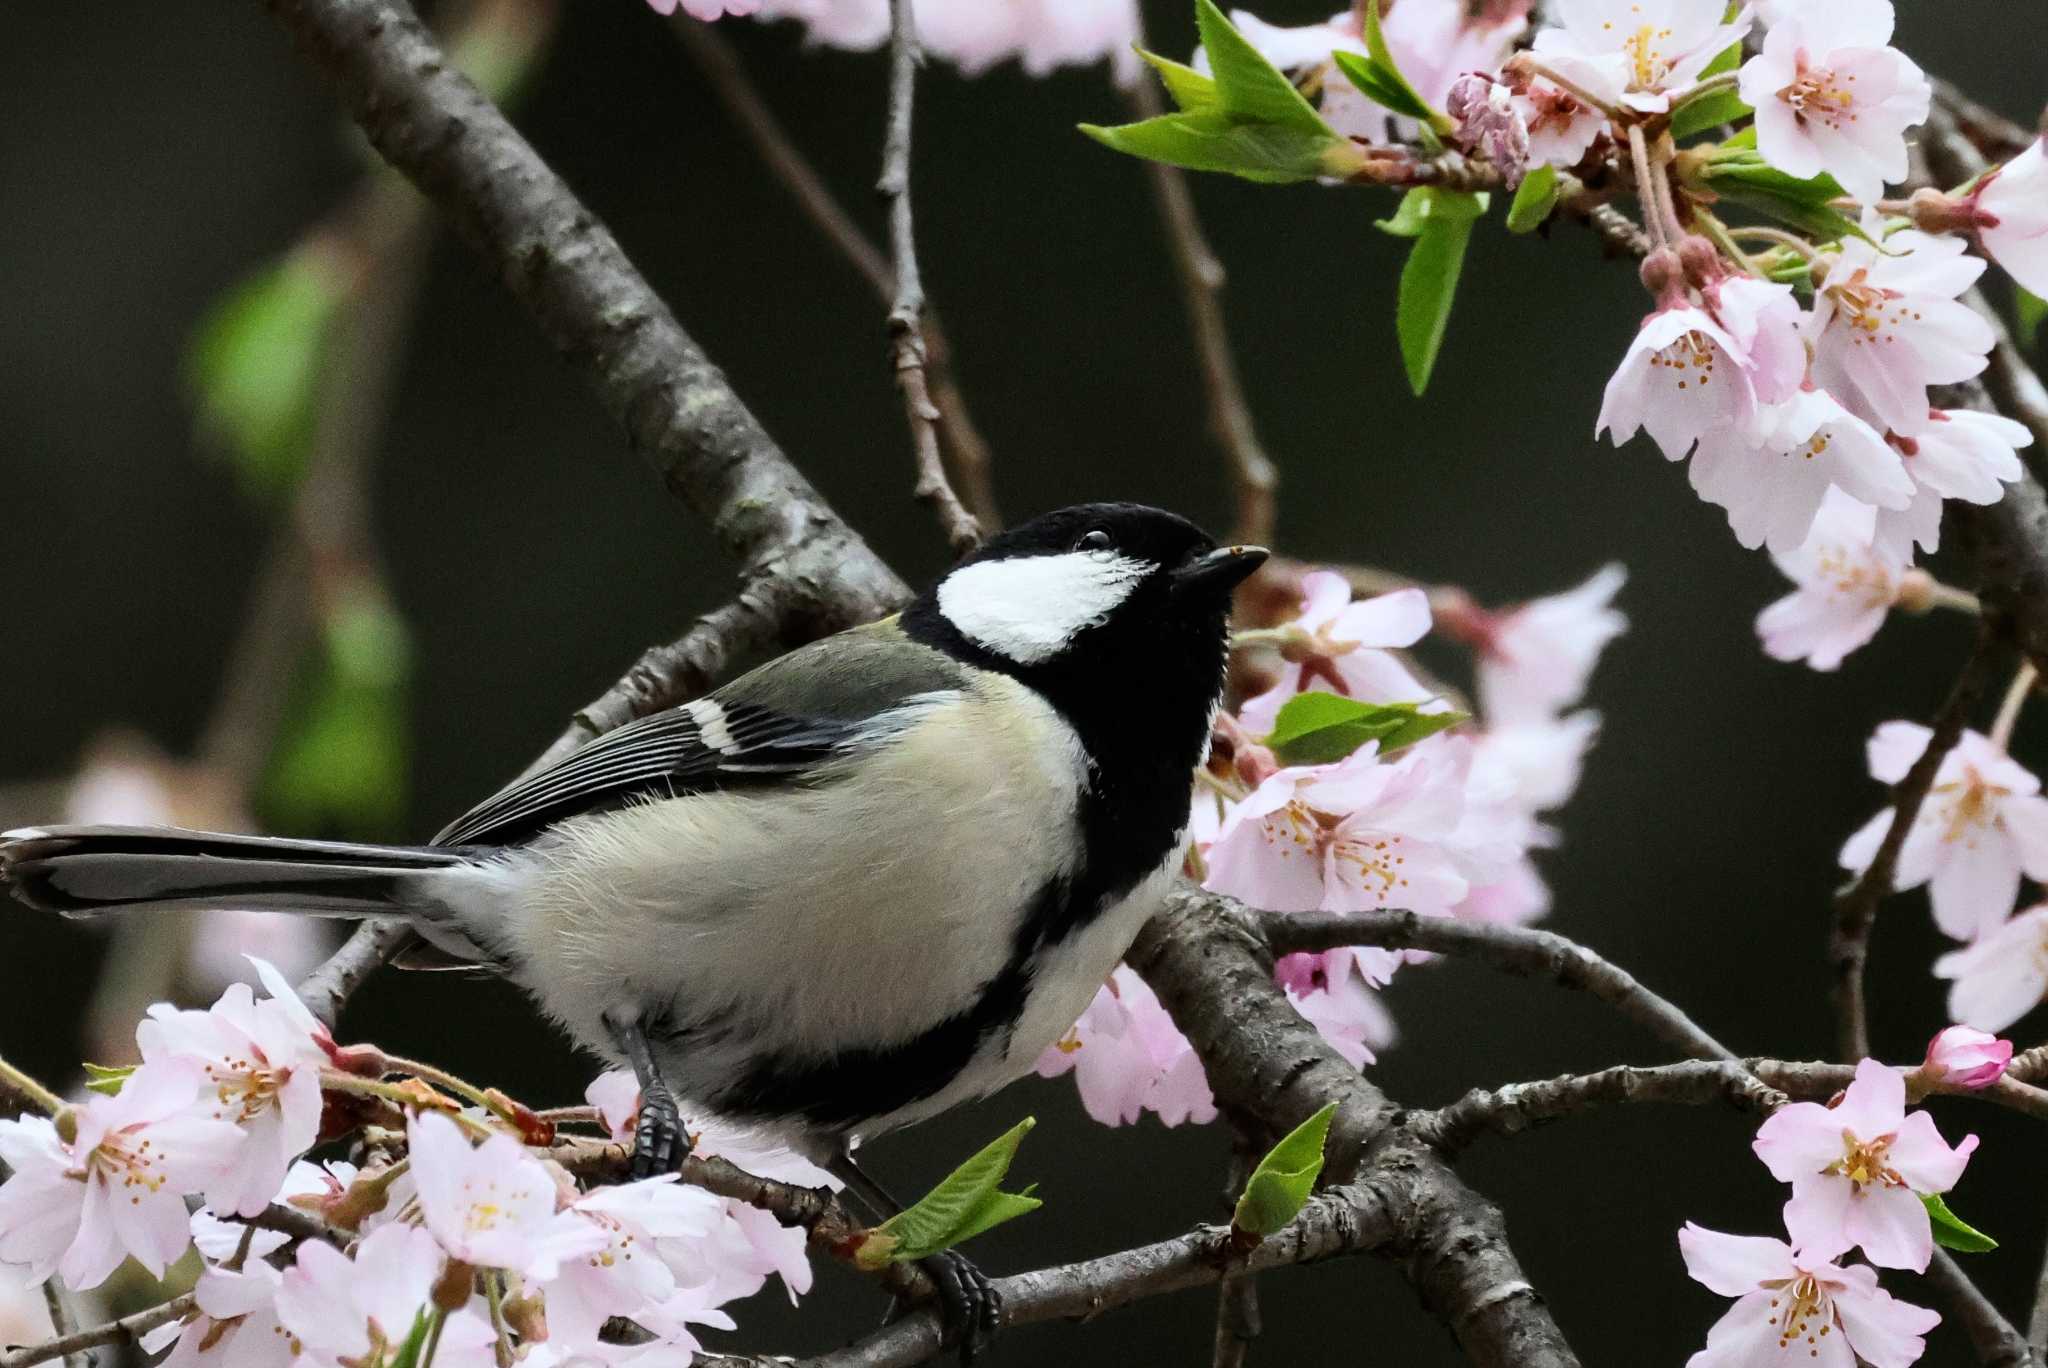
966, 451
126, 1330
906, 310
1519, 950
1992, 1336
1519, 1107
1856, 906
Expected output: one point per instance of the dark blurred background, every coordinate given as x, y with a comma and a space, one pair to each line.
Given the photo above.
153, 157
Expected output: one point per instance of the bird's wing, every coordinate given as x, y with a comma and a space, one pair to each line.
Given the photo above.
778, 723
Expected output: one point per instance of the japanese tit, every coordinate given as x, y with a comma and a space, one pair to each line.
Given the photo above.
871, 879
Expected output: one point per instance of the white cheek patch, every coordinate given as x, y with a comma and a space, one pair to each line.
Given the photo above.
1028, 608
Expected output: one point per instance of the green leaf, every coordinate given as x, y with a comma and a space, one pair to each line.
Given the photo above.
254, 365
1411, 215
1534, 198
1211, 140
1383, 58
1745, 177
1710, 110
1280, 1185
101, 1078
1429, 281
1384, 87
1950, 1232
1247, 85
1189, 88
966, 1203
416, 1342
2030, 310
342, 762
1322, 728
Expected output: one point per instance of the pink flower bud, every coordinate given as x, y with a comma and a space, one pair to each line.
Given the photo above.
1963, 1057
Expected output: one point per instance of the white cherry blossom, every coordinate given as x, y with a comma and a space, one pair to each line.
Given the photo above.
2011, 210
1772, 477
1845, 585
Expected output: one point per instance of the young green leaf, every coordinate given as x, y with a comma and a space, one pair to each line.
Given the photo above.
101, 1078
1248, 86
1950, 1231
1745, 177
1534, 198
1389, 70
1211, 140
415, 1342
1280, 1185
254, 366
964, 1204
1189, 88
1322, 728
1410, 215
1429, 282
1710, 110
1382, 87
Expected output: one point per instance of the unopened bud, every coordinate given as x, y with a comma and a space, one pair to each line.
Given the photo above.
453, 1288
1962, 1057
1933, 211
1701, 260
1915, 593
1662, 271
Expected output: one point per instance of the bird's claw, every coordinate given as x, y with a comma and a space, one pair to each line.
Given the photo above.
660, 1144
970, 1308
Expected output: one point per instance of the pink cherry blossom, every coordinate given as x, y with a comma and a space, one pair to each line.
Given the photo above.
1857, 1169
2010, 206
706, 9
1831, 96
1981, 825
24, 1313
1958, 454
1515, 899
1886, 324
260, 1064
1765, 320
1845, 586
1338, 646
1351, 837
972, 34
118, 1188
492, 1205
1633, 52
1684, 376
1794, 1308
1535, 660
1962, 1057
1335, 992
1128, 1057
2001, 977
346, 1312
626, 1275
1772, 478
1538, 761
1561, 128
235, 1324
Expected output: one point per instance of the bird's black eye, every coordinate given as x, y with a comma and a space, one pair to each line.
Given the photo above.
1093, 540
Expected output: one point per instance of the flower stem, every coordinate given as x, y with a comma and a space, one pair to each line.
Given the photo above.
1725, 240
441, 1078
14, 1080
433, 1340
334, 1080
1777, 236
1706, 85
1646, 188
1252, 637
1570, 87
2015, 698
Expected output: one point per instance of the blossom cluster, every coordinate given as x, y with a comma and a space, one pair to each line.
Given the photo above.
1444, 826
1859, 1167
219, 1114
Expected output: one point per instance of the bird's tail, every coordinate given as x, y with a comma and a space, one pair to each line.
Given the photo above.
81, 871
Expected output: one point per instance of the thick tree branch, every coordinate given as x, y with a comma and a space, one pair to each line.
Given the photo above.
1518, 1107
1270, 1069
906, 309
1519, 950
1992, 1336
1855, 907
966, 451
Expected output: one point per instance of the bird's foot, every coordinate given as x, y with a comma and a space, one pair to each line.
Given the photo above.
970, 1308
660, 1144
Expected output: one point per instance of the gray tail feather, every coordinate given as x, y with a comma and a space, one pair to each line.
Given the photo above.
84, 870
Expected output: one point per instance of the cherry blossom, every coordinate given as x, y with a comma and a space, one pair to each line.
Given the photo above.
706, 9
1684, 376
1886, 324
1766, 321
1534, 660
1351, 837
627, 1274
1538, 761
1962, 1057
1489, 124
260, 1065
492, 1205
2001, 977
1983, 823
1561, 128
1831, 96
1958, 454
1846, 584
24, 1314
2010, 210
235, 1324
1128, 1057
1772, 478
1342, 647
1794, 1308
1516, 899
1634, 52
118, 1188
1334, 992
1857, 1169
355, 1313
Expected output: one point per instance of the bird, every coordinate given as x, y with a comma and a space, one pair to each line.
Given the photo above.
871, 879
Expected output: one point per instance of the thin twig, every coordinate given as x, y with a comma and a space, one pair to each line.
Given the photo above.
327, 989
1991, 1335
1253, 476
64, 1321
1513, 949
127, 1330
1855, 907
1991, 133
965, 449
1237, 1297
1517, 1107
906, 311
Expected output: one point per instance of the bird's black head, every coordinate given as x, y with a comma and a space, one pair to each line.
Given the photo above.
1115, 612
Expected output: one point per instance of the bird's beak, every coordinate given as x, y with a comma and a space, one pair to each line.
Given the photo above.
1219, 571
